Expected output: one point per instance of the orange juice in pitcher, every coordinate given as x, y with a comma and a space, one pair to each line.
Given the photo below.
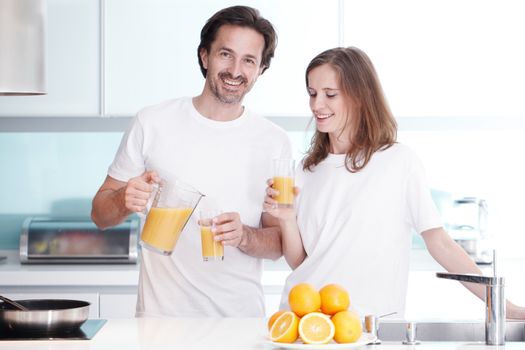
163, 227
172, 207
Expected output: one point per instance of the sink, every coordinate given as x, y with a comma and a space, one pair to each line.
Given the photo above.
392, 330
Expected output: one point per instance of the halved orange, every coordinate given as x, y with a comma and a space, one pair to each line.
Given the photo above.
284, 329
274, 317
316, 328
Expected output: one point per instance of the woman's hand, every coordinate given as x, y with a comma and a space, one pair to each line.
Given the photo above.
515, 312
271, 207
291, 241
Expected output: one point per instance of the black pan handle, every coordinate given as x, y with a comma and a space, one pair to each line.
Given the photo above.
13, 303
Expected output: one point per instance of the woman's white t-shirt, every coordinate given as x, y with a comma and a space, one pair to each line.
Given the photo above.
356, 227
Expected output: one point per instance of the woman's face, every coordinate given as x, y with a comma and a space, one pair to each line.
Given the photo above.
327, 102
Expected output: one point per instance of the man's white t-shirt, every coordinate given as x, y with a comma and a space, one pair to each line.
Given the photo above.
229, 162
356, 227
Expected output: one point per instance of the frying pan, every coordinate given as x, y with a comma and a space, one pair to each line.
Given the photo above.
44, 316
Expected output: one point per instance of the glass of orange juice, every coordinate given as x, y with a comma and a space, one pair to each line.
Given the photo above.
283, 181
211, 249
173, 203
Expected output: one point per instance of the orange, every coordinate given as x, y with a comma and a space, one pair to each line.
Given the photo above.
274, 317
284, 329
316, 328
348, 328
304, 298
334, 298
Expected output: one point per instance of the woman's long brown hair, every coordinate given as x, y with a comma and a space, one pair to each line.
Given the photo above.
373, 126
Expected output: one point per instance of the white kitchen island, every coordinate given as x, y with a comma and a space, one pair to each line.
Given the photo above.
203, 334
112, 289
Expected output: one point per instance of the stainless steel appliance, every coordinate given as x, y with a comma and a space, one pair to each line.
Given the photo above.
46, 240
469, 228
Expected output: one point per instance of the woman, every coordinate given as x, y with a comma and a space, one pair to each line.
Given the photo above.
362, 194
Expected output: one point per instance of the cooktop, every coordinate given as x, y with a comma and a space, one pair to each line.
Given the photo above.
85, 332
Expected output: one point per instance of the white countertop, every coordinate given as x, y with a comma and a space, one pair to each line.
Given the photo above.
427, 296
12, 273
202, 334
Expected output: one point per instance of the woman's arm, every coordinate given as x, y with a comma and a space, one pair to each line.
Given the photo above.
292, 243
286, 218
454, 259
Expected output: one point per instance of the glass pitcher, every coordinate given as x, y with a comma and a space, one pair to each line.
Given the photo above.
173, 203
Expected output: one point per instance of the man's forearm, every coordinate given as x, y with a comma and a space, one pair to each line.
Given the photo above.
262, 242
108, 209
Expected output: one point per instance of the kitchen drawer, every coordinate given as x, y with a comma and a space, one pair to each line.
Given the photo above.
118, 305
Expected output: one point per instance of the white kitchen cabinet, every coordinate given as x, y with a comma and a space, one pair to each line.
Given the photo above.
118, 305
305, 29
151, 52
106, 302
72, 64
111, 289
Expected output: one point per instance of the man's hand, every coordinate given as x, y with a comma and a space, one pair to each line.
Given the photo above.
228, 229
257, 242
138, 190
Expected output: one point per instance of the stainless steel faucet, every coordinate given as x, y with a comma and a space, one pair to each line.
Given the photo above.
494, 301
411, 334
372, 325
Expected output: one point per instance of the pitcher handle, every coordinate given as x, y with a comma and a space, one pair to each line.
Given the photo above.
154, 197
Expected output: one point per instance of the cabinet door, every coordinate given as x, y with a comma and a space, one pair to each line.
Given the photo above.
92, 298
118, 305
72, 64
305, 29
151, 51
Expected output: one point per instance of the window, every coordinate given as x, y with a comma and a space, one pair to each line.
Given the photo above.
444, 58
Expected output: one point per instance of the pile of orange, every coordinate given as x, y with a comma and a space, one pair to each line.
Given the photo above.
318, 317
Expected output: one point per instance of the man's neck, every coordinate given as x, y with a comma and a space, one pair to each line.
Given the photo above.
211, 108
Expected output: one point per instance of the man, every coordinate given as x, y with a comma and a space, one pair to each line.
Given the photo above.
220, 148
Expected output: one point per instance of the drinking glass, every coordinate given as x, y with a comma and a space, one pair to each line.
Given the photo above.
211, 249
283, 181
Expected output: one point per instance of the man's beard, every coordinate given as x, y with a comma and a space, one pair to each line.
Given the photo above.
229, 98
